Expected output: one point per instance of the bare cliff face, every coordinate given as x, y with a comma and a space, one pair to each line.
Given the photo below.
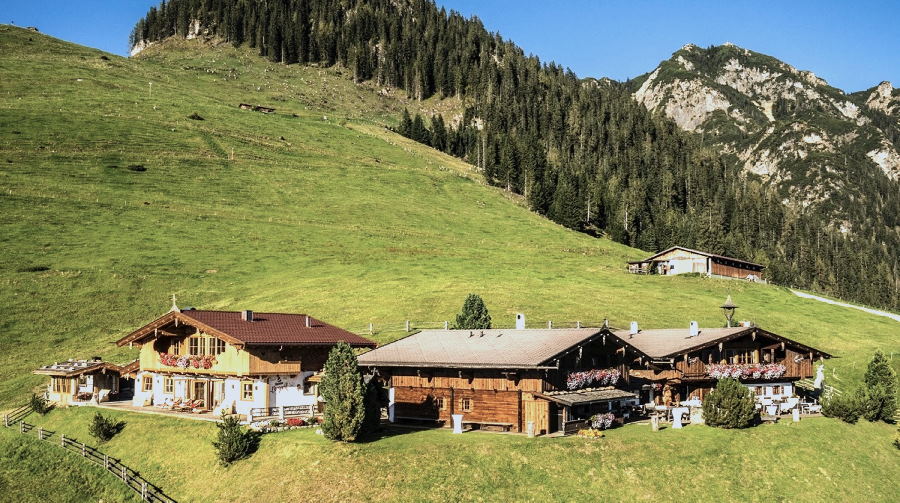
818, 147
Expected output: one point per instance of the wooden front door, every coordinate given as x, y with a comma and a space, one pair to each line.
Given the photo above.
537, 411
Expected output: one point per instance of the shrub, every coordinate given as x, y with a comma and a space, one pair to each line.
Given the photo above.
40, 405
104, 428
730, 405
195, 116
474, 314
342, 391
296, 421
234, 442
879, 400
847, 407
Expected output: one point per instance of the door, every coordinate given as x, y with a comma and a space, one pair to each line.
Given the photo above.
200, 391
537, 411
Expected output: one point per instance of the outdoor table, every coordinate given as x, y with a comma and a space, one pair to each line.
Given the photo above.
677, 413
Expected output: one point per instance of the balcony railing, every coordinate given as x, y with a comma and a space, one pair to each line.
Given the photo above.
695, 369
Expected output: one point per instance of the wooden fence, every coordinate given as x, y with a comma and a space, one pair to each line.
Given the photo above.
129, 477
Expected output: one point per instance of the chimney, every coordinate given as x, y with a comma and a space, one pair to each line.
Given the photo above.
746, 323
695, 329
308, 322
520, 321
634, 329
247, 315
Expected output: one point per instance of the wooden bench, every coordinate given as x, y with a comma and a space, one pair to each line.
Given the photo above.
488, 426
432, 420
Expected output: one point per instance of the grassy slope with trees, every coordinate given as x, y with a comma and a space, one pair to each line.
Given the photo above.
355, 224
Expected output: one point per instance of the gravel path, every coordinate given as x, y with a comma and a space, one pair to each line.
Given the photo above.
893, 316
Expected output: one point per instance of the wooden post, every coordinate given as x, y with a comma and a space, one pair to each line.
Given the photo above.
447, 327
144, 491
83, 450
62, 440
106, 461
41, 433
21, 426
371, 328
549, 324
407, 325
124, 474
6, 420
577, 324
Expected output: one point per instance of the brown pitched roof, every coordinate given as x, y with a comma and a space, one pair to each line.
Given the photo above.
706, 254
265, 329
496, 348
670, 342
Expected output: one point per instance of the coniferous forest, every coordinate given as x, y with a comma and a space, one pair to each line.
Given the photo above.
580, 150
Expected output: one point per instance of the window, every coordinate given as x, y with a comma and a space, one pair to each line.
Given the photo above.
466, 404
776, 390
168, 385
216, 346
439, 403
147, 383
176, 347
60, 385
82, 380
196, 346
760, 390
738, 356
247, 390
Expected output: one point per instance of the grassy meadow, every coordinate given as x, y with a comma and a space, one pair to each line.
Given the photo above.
112, 199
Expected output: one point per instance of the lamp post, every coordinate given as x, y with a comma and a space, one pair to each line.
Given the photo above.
728, 308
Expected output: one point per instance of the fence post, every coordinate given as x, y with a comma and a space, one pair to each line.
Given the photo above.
83, 450
407, 325
106, 461
62, 440
6, 420
577, 324
446, 325
549, 324
21, 426
124, 474
371, 328
41, 433
143, 491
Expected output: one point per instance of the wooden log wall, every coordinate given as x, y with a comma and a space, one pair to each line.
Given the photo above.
486, 406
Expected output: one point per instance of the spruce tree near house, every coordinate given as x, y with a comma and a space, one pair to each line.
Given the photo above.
730, 405
234, 442
474, 314
343, 392
880, 394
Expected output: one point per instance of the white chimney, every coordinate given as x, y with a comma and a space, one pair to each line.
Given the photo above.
308, 322
746, 323
247, 315
634, 328
695, 329
520, 321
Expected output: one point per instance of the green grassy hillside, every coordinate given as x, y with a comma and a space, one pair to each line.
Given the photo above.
320, 209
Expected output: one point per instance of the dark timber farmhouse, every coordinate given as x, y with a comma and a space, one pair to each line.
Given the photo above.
681, 260
556, 379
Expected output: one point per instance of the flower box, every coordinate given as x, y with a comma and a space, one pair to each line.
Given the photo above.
184, 361
596, 377
746, 371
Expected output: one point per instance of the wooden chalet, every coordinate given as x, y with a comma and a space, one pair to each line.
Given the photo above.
681, 260
558, 378
504, 378
685, 363
255, 364
79, 382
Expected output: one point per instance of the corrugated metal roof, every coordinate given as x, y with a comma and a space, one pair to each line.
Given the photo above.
666, 342
495, 348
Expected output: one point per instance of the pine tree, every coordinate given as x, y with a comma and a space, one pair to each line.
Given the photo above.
729, 405
234, 441
880, 395
342, 391
474, 314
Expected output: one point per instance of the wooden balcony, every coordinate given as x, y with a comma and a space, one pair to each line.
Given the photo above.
260, 366
697, 370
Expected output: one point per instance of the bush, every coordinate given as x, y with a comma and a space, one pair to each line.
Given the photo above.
234, 442
40, 405
342, 391
104, 428
730, 405
195, 116
879, 400
847, 407
296, 421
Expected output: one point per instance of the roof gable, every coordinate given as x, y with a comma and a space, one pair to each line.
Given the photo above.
265, 329
670, 342
705, 254
494, 348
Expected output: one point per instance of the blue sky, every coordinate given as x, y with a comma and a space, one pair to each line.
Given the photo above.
853, 45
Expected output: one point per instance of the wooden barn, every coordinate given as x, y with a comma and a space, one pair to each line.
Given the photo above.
80, 382
681, 260
504, 378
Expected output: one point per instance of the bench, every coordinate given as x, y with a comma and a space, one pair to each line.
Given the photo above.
489, 426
